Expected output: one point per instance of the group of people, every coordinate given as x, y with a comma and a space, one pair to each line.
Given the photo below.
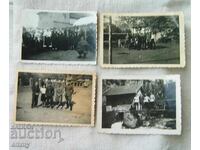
51, 95
137, 41
38, 40
147, 101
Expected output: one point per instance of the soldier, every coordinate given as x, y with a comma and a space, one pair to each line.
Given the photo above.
59, 94
35, 94
49, 94
82, 48
69, 91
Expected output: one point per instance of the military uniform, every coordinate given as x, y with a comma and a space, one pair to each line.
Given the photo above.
69, 90
59, 95
49, 94
35, 95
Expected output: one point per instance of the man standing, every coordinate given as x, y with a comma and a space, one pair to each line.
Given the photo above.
35, 94
49, 94
59, 94
69, 91
47, 38
152, 100
146, 101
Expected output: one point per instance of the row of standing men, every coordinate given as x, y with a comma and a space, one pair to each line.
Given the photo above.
47, 93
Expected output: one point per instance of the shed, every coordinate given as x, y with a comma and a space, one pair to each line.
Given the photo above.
121, 95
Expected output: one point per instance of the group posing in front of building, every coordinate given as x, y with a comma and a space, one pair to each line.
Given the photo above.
54, 39
141, 101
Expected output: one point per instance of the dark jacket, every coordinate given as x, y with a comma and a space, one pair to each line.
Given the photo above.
35, 89
50, 91
69, 90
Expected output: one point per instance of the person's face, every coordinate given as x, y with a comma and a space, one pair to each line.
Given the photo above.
36, 83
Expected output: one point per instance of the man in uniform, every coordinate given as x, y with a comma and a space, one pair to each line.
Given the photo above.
83, 48
35, 94
49, 94
59, 94
69, 91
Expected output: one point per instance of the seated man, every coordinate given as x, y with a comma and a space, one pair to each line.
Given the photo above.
131, 119
82, 48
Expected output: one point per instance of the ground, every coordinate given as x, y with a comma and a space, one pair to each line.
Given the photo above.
81, 113
162, 123
61, 55
163, 54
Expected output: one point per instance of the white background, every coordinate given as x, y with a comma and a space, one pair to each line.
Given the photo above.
88, 138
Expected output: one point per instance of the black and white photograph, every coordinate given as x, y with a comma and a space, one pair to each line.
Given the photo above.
55, 98
68, 37
142, 40
141, 106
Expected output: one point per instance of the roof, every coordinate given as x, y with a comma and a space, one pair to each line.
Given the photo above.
78, 15
71, 14
122, 90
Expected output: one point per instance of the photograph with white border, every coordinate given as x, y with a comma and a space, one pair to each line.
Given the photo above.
58, 36
140, 104
55, 98
135, 40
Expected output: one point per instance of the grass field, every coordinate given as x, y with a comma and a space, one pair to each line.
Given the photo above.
163, 54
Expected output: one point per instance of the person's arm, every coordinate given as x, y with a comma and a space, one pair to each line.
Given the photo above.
37, 90
33, 89
72, 90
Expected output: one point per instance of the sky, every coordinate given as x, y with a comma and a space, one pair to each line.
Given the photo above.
30, 18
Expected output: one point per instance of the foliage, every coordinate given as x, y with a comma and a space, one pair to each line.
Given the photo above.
168, 26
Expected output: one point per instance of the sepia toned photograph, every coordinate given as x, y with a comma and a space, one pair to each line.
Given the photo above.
55, 98
140, 105
142, 40
68, 37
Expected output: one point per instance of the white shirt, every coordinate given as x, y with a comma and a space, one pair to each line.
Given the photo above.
146, 99
47, 33
152, 98
136, 99
43, 90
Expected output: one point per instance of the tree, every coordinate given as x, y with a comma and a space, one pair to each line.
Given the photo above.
167, 25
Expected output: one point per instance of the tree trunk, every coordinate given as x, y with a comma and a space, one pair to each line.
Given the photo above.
110, 41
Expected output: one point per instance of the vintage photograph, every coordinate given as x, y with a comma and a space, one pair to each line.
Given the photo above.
55, 98
142, 40
69, 37
141, 106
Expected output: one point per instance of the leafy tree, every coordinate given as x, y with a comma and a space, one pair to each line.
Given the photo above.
167, 25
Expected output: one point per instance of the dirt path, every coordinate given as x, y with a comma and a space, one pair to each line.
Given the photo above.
81, 112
